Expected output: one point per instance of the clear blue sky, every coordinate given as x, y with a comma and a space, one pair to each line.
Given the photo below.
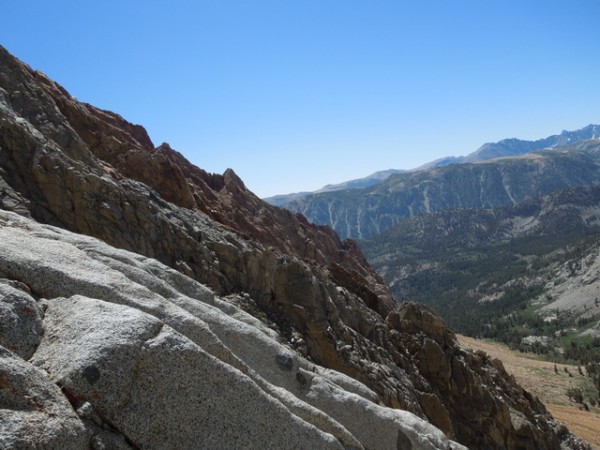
296, 94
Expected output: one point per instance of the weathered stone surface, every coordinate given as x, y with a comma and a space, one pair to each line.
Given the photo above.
33, 411
159, 388
21, 326
395, 428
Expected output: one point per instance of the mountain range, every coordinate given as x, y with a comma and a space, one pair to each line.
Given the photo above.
502, 243
145, 303
363, 213
514, 147
503, 148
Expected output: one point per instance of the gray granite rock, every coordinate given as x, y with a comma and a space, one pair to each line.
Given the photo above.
157, 387
21, 326
34, 413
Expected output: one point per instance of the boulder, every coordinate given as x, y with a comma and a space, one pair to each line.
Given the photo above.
34, 413
21, 327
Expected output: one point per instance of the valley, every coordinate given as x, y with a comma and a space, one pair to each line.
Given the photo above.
539, 377
504, 244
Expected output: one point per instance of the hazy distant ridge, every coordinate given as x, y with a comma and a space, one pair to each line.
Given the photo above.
490, 150
514, 147
360, 183
504, 173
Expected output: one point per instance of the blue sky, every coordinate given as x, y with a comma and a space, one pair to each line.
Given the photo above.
297, 94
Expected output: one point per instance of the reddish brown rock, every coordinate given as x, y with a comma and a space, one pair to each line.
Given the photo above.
224, 198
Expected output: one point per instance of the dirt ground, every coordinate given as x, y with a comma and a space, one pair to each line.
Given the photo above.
539, 378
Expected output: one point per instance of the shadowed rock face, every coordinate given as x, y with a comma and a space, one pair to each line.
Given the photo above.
89, 171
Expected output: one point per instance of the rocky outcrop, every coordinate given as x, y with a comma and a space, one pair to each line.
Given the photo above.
136, 355
329, 359
223, 198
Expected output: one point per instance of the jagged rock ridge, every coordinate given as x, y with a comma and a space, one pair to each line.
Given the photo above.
71, 165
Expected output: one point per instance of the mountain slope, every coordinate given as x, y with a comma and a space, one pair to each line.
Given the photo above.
360, 183
367, 212
476, 266
77, 168
149, 358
